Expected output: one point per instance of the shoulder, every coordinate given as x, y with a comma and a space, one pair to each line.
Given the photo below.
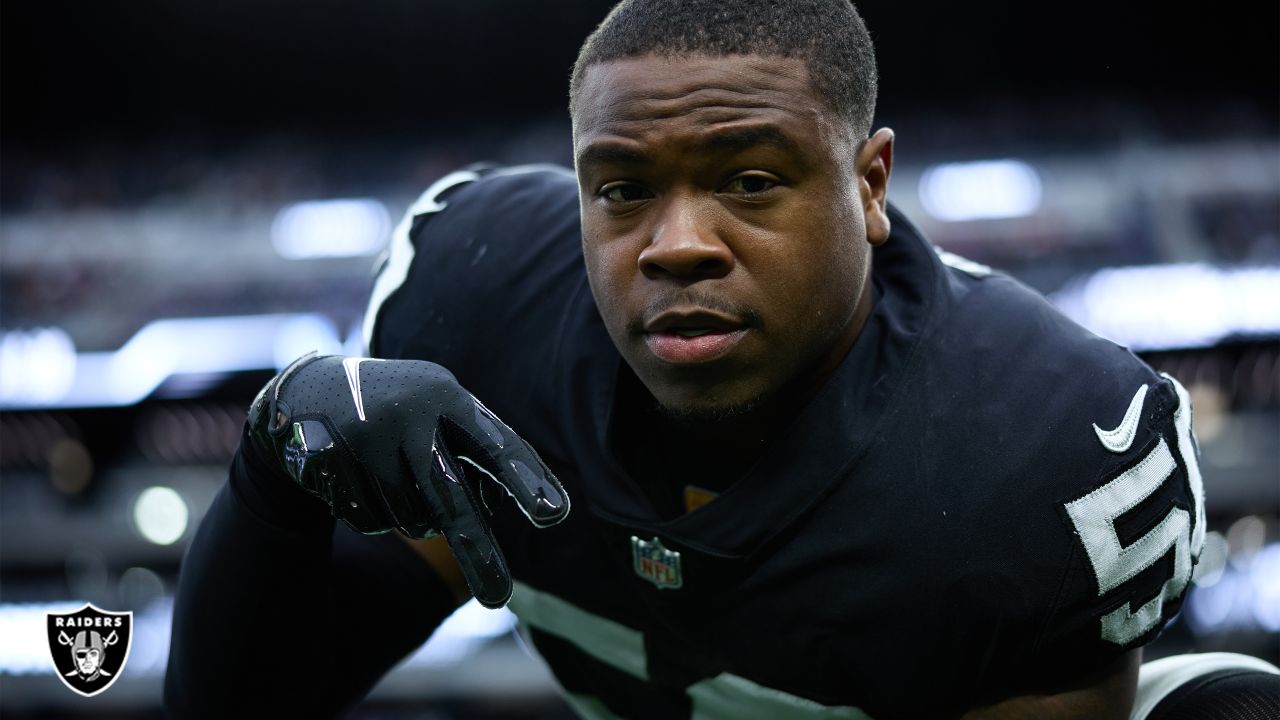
469, 259
1066, 412
1031, 363
986, 347
1068, 458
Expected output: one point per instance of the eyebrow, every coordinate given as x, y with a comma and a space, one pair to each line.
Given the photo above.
725, 141
611, 155
740, 139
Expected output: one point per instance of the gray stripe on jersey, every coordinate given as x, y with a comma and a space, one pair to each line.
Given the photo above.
730, 696
590, 707
616, 645
605, 640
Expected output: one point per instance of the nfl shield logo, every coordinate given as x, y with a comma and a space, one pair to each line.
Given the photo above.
89, 647
655, 563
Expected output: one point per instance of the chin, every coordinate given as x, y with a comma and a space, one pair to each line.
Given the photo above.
707, 410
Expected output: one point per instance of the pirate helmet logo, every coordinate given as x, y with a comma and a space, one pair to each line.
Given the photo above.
89, 647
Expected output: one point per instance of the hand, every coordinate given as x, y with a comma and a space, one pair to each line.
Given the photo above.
389, 443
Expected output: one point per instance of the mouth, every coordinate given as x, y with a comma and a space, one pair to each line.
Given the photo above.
692, 336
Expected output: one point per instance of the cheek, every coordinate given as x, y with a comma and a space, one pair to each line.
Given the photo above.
608, 270
840, 283
821, 270
822, 250
844, 239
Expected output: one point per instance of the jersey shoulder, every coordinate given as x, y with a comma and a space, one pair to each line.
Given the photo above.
1005, 347
476, 265
1075, 462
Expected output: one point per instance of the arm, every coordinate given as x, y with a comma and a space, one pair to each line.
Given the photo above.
1127, 592
301, 619
1104, 695
279, 612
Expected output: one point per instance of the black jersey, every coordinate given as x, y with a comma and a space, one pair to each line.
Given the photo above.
984, 498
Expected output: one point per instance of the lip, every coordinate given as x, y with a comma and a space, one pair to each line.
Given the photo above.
719, 335
692, 319
676, 349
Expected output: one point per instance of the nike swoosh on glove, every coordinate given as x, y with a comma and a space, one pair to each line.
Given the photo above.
383, 443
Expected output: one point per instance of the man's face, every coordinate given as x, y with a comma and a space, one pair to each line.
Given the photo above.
724, 224
87, 660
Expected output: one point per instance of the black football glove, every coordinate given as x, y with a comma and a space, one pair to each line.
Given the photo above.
383, 442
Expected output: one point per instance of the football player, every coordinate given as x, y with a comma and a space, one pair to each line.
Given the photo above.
817, 468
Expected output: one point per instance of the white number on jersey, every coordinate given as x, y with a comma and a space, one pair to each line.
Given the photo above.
1094, 517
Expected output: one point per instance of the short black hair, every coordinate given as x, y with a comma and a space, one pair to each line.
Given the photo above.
828, 35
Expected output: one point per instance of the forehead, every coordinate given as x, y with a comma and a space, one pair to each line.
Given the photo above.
654, 95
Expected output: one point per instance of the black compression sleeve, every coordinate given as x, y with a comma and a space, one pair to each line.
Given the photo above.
279, 613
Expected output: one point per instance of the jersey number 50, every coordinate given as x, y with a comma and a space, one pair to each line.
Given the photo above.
1094, 516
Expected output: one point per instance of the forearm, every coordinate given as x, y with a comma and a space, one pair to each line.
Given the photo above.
238, 623
275, 616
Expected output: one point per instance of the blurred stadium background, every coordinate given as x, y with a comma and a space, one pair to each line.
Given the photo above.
191, 194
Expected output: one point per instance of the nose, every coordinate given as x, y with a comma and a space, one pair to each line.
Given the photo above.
685, 245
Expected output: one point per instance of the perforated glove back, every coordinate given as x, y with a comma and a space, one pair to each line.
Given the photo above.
384, 443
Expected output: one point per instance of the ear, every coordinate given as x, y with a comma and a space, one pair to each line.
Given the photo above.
874, 163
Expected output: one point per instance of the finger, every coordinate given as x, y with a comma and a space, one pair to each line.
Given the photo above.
327, 475
356, 501
486, 442
455, 513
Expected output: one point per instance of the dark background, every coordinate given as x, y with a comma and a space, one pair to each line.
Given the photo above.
83, 72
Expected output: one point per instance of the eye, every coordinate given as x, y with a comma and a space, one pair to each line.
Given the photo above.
750, 184
624, 192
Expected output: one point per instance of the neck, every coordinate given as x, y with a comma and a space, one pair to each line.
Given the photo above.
749, 430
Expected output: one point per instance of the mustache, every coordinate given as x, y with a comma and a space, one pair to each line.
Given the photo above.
688, 297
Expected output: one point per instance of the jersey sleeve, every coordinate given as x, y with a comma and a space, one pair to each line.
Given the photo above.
269, 579
1135, 531
1085, 515
474, 269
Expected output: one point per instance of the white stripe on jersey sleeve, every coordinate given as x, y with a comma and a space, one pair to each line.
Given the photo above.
399, 256
1187, 446
963, 264
394, 265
